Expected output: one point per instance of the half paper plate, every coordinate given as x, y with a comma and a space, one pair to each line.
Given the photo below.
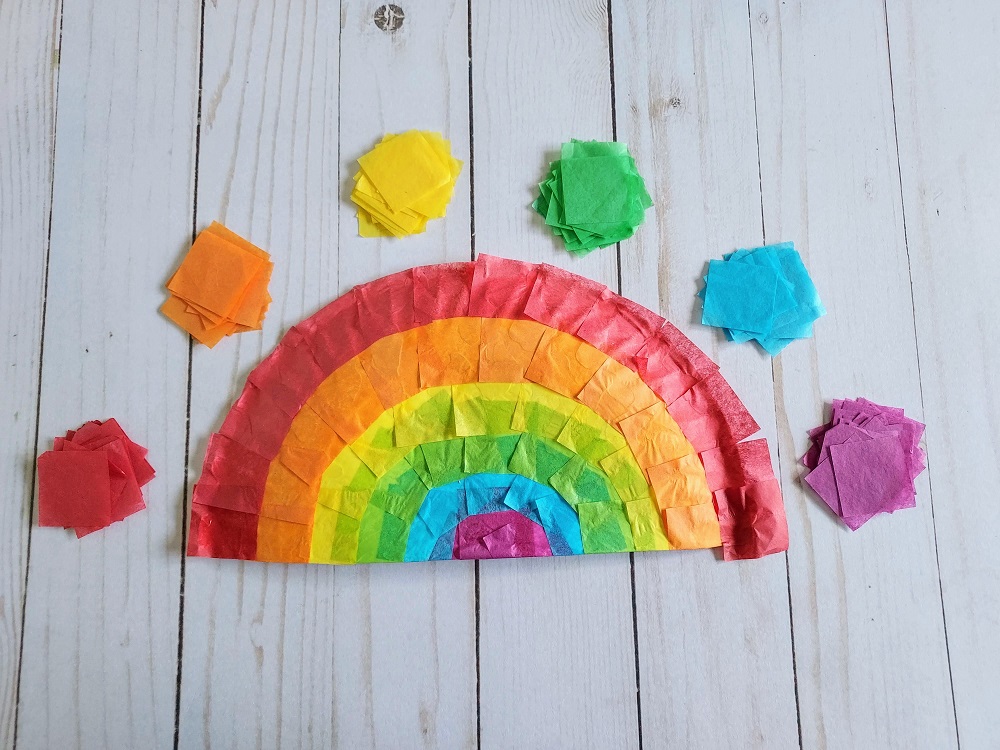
481, 410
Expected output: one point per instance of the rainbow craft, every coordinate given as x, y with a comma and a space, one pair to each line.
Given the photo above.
484, 410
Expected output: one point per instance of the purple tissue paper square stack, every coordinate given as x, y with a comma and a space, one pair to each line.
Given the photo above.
865, 460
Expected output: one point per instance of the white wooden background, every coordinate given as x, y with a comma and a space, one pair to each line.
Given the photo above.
866, 131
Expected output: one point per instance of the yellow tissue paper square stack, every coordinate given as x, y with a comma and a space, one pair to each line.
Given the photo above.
404, 181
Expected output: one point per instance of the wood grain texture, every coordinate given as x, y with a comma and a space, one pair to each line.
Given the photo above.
869, 639
714, 643
30, 34
100, 623
945, 77
305, 656
875, 131
556, 647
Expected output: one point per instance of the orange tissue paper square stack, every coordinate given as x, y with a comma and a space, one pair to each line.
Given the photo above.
220, 288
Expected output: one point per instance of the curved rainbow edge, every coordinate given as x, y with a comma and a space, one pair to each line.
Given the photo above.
404, 388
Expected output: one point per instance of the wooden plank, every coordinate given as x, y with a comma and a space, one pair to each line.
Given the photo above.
869, 639
100, 641
714, 638
310, 655
30, 36
945, 73
556, 649
417, 692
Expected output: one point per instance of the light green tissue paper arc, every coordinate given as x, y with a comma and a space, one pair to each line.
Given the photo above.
373, 489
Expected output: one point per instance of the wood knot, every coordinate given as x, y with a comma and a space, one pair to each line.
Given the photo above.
389, 17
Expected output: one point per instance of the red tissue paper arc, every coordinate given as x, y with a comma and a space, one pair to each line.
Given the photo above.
746, 494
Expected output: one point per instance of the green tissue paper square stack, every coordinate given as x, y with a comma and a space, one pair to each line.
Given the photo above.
593, 195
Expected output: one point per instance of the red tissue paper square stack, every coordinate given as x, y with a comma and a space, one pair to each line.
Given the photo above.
91, 478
